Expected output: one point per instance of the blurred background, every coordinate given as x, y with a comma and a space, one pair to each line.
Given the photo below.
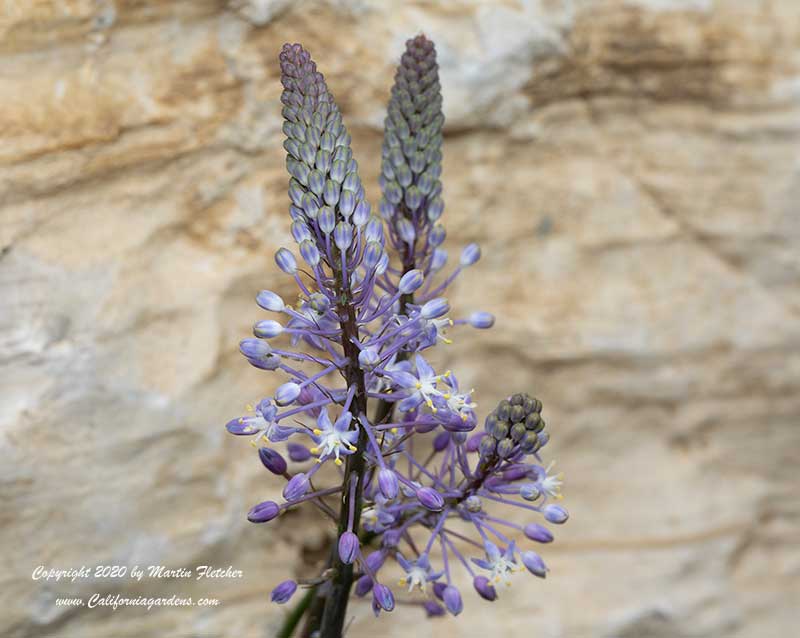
632, 172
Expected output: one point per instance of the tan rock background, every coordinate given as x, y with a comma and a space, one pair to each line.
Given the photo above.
632, 170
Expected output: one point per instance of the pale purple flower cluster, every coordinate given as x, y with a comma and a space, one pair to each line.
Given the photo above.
362, 409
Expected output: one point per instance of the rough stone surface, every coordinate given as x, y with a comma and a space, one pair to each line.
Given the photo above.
632, 170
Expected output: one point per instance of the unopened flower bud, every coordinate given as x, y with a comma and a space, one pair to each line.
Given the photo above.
368, 358
283, 592
433, 609
534, 563
267, 329
441, 441
481, 320
470, 254
363, 586
410, 282
383, 597
484, 588
343, 235
272, 460
296, 487
435, 308
452, 600
287, 393
268, 300
348, 547
263, 512
298, 452
387, 483
430, 499
529, 491
538, 533
555, 514
286, 261
309, 252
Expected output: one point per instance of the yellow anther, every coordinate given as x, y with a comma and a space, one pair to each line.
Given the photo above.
448, 373
393, 430
463, 417
429, 403
249, 407
319, 460
241, 419
447, 395
450, 321
418, 385
317, 431
254, 444
402, 581
314, 450
264, 438
338, 461
353, 448
447, 341
389, 391
434, 410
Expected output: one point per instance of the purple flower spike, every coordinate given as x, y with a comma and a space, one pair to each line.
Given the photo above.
283, 592
484, 588
296, 487
383, 597
387, 483
538, 533
263, 512
348, 547
272, 460
534, 563
452, 600
556, 514
430, 499
433, 609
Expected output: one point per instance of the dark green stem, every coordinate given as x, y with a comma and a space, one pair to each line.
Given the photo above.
333, 615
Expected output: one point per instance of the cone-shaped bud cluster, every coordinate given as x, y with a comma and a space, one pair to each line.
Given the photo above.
412, 155
513, 426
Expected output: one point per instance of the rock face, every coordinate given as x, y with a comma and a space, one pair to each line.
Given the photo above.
632, 170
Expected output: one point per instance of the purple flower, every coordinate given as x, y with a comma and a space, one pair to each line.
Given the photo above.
283, 592
418, 573
452, 600
355, 377
272, 460
263, 512
387, 483
534, 563
484, 588
430, 499
383, 597
296, 487
538, 533
348, 547
556, 514
334, 439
